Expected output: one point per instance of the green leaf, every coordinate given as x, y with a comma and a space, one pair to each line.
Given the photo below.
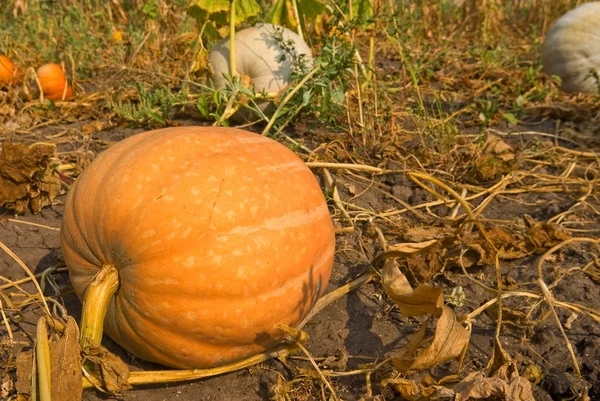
217, 11
310, 8
338, 96
306, 97
282, 12
203, 106
510, 117
211, 32
362, 10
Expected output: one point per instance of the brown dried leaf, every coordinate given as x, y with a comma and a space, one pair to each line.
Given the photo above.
6, 387
510, 317
519, 389
26, 179
537, 239
438, 393
421, 234
106, 370
65, 367
408, 389
450, 337
448, 343
499, 358
424, 299
498, 147
543, 236
408, 249
425, 266
494, 158
423, 259
477, 387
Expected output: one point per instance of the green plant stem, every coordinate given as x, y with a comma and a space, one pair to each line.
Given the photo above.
232, 69
289, 97
295, 4
371, 60
42, 351
95, 305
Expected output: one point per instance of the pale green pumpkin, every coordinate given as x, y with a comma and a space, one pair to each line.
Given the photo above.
261, 62
572, 49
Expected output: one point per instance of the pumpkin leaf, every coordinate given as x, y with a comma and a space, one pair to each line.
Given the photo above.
217, 11
363, 10
450, 337
282, 12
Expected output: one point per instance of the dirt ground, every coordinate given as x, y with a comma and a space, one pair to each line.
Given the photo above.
364, 327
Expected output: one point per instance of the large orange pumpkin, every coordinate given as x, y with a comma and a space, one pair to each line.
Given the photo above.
218, 235
53, 82
8, 73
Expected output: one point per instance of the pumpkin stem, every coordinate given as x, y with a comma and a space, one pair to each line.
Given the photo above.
232, 68
95, 304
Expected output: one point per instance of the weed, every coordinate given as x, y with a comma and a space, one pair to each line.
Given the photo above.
147, 108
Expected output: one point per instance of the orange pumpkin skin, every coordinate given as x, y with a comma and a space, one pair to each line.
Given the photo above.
218, 234
53, 81
8, 72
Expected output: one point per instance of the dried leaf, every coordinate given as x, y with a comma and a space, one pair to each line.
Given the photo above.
510, 317
448, 343
407, 249
499, 358
6, 387
26, 179
498, 147
519, 389
477, 387
410, 250
543, 236
65, 366
492, 159
424, 299
537, 239
450, 337
106, 370
439, 393
423, 267
421, 234
408, 389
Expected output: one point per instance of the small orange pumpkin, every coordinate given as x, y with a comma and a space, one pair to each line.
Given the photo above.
53, 82
9, 75
217, 235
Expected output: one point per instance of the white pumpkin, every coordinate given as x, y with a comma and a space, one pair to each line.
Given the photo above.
260, 61
572, 48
